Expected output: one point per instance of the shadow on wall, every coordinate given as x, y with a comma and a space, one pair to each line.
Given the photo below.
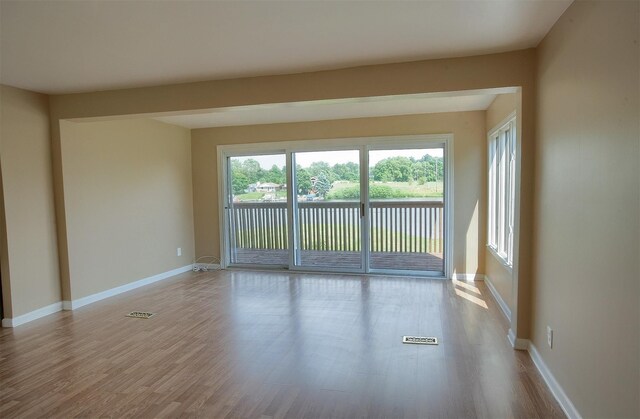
470, 253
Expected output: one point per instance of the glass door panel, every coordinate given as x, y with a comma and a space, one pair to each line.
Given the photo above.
328, 214
257, 210
406, 210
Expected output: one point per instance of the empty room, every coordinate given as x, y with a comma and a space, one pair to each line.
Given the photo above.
310, 209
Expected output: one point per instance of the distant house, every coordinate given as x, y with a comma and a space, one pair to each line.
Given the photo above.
266, 187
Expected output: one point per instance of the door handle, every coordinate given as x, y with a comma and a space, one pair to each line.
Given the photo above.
362, 209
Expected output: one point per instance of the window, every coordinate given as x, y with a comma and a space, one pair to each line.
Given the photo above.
502, 175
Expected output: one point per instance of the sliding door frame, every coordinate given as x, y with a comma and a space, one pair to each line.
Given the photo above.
224, 188
364, 145
321, 146
409, 143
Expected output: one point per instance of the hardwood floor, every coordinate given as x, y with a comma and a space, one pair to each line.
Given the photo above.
260, 344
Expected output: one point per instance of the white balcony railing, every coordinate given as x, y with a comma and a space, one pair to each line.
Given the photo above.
395, 226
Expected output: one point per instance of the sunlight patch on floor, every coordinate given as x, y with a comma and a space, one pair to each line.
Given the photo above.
466, 286
472, 298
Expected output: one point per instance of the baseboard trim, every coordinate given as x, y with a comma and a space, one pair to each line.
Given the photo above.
80, 302
556, 389
467, 277
517, 343
558, 392
32, 315
498, 298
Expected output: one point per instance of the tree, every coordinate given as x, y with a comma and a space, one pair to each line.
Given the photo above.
393, 169
239, 182
318, 167
303, 180
322, 184
252, 170
347, 171
275, 175
430, 168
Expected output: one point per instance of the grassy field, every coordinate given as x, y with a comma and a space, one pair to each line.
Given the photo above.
259, 196
393, 190
377, 190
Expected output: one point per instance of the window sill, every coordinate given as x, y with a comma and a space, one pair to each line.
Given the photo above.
500, 258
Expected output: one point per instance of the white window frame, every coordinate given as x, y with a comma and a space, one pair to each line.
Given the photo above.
363, 143
501, 190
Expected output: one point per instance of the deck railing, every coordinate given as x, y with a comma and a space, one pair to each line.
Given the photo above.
396, 226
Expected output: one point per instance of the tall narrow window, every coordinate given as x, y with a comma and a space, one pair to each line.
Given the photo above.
502, 163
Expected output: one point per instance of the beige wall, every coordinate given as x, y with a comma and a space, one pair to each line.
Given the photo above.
500, 276
587, 243
500, 108
128, 201
510, 69
29, 260
515, 68
468, 129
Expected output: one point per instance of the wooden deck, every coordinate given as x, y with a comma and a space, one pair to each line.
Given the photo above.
412, 261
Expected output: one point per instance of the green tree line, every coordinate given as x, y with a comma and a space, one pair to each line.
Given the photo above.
392, 169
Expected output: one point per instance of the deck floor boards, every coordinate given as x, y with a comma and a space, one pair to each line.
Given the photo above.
315, 258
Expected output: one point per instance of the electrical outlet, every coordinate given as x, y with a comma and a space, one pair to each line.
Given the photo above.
179, 251
550, 337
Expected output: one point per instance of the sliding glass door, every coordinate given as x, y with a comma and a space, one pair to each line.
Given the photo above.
256, 210
369, 208
327, 208
406, 201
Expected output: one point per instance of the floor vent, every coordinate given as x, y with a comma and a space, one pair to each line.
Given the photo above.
140, 314
420, 340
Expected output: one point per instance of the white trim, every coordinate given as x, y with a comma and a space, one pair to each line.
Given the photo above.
498, 298
502, 123
364, 144
74, 304
449, 228
468, 277
517, 343
501, 260
365, 216
32, 315
556, 389
502, 201
222, 206
330, 144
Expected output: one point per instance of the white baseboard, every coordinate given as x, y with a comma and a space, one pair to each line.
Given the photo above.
32, 315
565, 403
517, 343
467, 277
74, 304
498, 298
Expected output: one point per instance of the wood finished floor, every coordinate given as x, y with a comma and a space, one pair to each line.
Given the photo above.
259, 344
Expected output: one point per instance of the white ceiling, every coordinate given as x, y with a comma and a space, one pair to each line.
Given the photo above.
331, 109
72, 46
